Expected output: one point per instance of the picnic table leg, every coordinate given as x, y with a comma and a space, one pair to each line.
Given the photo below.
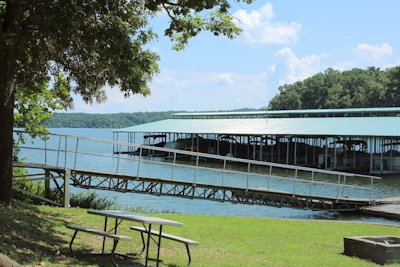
159, 245
113, 252
115, 230
104, 238
188, 253
72, 241
143, 245
148, 245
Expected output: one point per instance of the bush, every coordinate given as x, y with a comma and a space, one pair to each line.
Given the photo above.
32, 187
91, 200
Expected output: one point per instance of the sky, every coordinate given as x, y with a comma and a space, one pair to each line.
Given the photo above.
282, 42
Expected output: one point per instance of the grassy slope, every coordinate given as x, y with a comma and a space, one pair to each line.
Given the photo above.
34, 234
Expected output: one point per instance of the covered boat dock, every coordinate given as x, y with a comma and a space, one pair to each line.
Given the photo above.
364, 140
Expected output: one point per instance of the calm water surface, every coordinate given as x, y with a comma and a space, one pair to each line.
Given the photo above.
389, 186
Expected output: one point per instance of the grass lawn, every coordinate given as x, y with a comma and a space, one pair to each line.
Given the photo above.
34, 235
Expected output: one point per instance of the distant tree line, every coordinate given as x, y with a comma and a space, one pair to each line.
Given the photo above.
355, 88
117, 120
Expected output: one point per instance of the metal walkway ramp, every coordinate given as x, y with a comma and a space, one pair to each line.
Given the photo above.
90, 163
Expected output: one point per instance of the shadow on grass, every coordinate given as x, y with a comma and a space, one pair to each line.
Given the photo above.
90, 258
27, 236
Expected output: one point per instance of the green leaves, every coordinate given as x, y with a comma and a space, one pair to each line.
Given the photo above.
348, 89
189, 18
60, 47
95, 43
33, 109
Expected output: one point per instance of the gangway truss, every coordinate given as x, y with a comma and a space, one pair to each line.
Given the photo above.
90, 163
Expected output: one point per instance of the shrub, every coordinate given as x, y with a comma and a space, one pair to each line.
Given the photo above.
91, 200
32, 187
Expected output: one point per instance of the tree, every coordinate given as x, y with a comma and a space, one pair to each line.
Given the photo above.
287, 99
354, 88
393, 90
92, 43
33, 110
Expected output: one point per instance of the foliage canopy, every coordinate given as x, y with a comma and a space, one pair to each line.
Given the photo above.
52, 48
355, 88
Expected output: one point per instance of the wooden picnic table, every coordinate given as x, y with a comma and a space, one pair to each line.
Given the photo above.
145, 220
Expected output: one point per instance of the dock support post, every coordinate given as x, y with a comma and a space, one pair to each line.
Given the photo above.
47, 183
313, 151
67, 176
272, 148
354, 156
370, 155
306, 152
381, 148
334, 154
287, 150
391, 155
254, 147
326, 152
295, 152
248, 147
279, 151
218, 144
197, 144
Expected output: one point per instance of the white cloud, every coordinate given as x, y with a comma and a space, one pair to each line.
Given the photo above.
298, 68
259, 29
374, 53
183, 90
272, 69
367, 55
224, 78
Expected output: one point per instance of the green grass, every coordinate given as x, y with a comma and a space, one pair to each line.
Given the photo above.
36, 234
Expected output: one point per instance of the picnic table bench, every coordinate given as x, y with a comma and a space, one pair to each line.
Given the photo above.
105, 234
179, 239
150, 221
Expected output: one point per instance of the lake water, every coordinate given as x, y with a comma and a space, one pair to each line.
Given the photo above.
389, 186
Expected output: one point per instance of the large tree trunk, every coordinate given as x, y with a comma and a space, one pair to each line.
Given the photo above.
9, 36
6, 143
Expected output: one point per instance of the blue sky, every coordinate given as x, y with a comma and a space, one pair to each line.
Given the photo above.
283, 41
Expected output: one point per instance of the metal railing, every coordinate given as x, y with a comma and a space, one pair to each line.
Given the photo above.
67, 151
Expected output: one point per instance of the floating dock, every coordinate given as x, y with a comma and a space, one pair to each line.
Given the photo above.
365, 140
386, 207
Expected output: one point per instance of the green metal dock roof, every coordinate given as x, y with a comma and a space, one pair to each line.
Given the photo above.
326, 126
350, 112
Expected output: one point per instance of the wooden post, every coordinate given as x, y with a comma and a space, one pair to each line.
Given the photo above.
47, 183
67, 176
